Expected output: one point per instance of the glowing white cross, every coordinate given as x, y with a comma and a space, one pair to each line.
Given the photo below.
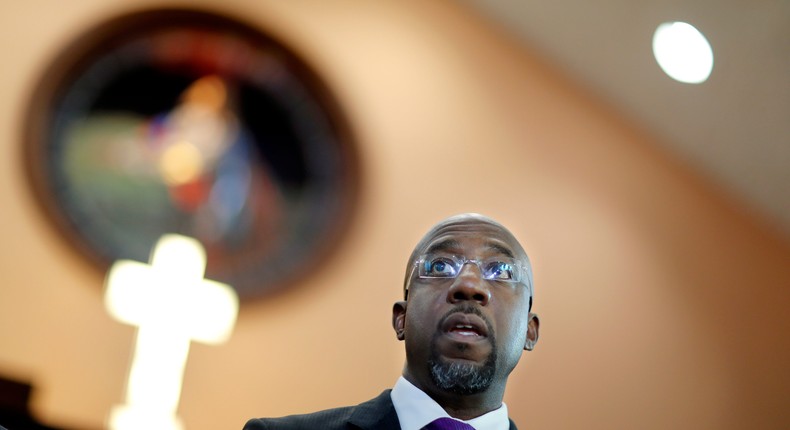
172, 305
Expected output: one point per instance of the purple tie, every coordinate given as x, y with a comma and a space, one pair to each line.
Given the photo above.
447, 424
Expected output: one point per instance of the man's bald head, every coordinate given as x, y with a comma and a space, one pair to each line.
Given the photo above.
467, 222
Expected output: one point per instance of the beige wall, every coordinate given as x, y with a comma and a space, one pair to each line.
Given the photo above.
663, 304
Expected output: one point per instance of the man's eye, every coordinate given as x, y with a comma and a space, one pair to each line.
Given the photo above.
440, 267
499, 270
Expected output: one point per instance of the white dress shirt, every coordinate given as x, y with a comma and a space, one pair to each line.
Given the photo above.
416, 409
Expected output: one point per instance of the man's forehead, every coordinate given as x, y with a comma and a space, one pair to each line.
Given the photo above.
461, 231
466, 241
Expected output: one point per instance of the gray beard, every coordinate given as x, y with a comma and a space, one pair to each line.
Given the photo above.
459, 377
463, 378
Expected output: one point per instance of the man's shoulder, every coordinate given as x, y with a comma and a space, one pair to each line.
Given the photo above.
374, 413
327, 419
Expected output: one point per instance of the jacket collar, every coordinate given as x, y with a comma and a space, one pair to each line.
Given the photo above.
379, 414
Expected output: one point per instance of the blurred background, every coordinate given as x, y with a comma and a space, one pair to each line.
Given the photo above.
656, 213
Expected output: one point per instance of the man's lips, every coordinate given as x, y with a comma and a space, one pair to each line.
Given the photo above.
463, 325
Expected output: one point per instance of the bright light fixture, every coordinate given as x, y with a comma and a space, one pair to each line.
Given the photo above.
683, 52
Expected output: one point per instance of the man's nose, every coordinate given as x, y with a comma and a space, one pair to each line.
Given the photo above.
469, 285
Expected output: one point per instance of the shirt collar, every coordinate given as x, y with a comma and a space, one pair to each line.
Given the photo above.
416, 409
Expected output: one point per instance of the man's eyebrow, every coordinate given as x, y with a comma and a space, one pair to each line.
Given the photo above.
445, 245
501, 249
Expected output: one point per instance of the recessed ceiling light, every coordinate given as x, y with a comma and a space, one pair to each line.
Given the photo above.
683, 52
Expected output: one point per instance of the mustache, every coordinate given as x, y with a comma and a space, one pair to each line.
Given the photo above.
466, 309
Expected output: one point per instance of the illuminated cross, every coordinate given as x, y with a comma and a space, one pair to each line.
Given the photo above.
171, 304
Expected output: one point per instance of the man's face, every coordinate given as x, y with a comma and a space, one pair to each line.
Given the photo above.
464, 333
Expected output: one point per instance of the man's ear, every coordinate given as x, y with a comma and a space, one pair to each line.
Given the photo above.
533, 330
399, 319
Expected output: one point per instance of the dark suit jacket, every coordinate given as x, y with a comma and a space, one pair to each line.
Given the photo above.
375, 414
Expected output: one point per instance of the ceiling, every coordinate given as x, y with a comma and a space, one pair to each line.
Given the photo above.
734, 128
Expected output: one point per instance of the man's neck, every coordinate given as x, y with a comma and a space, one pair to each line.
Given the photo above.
461, 406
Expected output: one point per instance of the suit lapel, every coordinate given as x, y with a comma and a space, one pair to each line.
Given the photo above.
375, 414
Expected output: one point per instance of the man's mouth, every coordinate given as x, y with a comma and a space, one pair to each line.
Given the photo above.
465, 326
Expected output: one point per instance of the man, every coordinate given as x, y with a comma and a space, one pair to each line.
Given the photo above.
465, 321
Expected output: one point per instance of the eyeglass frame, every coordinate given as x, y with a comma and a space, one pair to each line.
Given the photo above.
463, 261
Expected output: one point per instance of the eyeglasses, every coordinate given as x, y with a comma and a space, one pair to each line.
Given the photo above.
434, 266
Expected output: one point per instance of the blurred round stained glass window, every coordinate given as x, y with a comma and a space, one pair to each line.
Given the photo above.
177, 121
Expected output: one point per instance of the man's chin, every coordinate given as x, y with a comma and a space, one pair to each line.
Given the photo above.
461, 376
